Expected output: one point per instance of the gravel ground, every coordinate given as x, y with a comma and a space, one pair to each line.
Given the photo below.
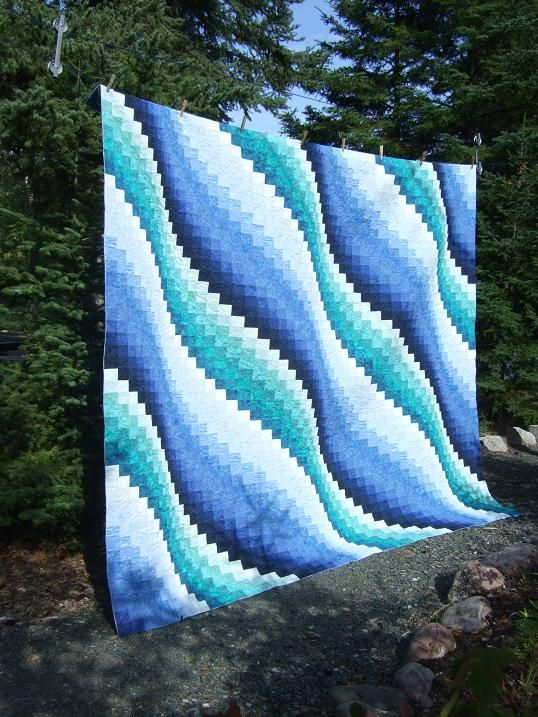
277, 653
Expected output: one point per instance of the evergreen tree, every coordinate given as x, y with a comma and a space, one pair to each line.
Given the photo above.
490, 82
378, 75
218, 55
428, 76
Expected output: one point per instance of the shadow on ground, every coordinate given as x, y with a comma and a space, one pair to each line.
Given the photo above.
512, 478
277, 653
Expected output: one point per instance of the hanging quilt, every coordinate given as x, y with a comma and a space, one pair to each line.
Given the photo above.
289, 378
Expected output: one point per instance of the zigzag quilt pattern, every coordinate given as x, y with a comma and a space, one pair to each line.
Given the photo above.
289, 379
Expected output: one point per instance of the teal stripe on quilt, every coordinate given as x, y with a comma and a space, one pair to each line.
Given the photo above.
129, 446
254, 381
417, 188
287, 171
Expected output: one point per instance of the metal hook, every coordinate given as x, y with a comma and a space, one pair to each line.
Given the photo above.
60, 25
477, 141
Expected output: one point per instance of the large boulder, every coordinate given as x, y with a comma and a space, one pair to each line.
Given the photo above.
415, 681
469, 615
430, 642
520, 438
495, 444
474, 578
516, 558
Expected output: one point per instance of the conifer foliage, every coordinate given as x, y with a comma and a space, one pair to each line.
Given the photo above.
421, 76
379, 74
408, 74
218, 54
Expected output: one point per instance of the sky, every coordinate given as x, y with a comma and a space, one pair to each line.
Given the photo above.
307, 16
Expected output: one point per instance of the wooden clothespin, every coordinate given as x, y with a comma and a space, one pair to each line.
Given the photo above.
343, 145
183, 107
381, 152
305, 136
110, 82
423, 157
244, 121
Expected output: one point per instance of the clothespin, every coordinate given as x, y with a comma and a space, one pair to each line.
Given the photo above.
343, 145
305, 135
381, 152
244, 121
477, 141
423, 157
183, 107
110, 82
477, 163
60, 25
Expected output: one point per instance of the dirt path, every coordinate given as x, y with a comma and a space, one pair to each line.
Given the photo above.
278, 653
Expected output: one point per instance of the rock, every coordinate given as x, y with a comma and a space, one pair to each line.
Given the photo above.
534, 430
374, 699
519, 557
383, 698
495, 444
193, 712
520, 438
431, 642
375, 623
531, 539
346, 710
473, 578
415, 681
39, 628
8, 621
469, 615
343, 693
49, 618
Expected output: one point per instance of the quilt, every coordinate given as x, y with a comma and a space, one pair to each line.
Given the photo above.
289, 369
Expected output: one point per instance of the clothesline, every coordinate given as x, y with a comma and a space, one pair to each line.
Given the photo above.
77, 73
183, 64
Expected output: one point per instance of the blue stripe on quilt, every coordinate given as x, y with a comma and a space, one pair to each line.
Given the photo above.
458, 189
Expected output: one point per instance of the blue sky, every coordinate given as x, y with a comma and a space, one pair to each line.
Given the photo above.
308, 17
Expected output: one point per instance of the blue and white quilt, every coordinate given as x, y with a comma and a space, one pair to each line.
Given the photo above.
290, 359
